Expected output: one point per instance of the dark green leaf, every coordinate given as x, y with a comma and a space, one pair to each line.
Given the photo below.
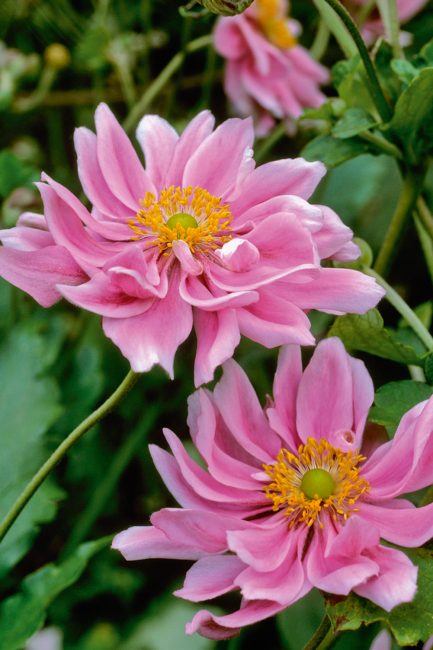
333, 151
14, 173
297, 623
368, 334
24, 613
29, 404
394, 399
405, 71
413, 117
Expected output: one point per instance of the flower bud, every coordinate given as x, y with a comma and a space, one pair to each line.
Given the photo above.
57, 56
226, 7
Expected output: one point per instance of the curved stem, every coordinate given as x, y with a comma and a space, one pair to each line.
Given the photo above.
322, 637
61, 450
382, 143
403, 309
389, 15
411, 189
374, 86
159, 81
267, 143
321, 40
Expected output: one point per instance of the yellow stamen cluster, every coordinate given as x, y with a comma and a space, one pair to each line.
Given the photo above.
274, 24
286, 478
205, 226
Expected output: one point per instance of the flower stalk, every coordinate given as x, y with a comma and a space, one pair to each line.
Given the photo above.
374, 86
40, 476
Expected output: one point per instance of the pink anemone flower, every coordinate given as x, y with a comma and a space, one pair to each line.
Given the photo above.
267, 73
288, 500
373, 27
199, 238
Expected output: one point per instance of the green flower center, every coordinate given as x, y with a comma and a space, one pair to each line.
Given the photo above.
182, 219
317, 483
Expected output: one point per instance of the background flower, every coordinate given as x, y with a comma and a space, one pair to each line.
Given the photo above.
289, 493
199, 238
267, 73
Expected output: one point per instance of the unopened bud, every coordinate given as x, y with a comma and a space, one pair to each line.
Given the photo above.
57, 56
226, 7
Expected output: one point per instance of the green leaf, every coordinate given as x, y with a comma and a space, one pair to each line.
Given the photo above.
413, 117
24, 613
354, 121
394, 399
428, 368
404, 70
410, 623
29, 404
14, 173
333, 151
368, 334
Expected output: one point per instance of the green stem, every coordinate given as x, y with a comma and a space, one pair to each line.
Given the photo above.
374, 86
159, 82
121, 460
389, 15
382, 143
62, 449
412, 186
403, 309
267, 144
425, 216
321, 40
46, 81
337, 27
426, 245
322, 637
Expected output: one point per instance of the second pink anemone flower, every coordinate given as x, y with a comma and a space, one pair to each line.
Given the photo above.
199, 238
289, 500
268, 74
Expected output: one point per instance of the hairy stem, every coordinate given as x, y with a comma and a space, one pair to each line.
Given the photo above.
412, 187
374, 86
63, 448
159, 82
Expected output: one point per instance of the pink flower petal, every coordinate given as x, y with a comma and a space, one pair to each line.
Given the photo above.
154, 336
408, 526
226, 627
38, 272
196, 132
158, 140
216, 163
292, 176
144, 542
337, 291
210, 577
282, 416
238, 404
195, 292
253, 545
217, 338
118, 161
396, 581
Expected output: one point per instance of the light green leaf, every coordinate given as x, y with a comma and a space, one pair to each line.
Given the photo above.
410, 623
394, 399
368, 334
24, 613
354, 121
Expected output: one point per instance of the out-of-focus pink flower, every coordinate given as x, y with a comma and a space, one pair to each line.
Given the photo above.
200, 237
383, 641
268, 75
288, 501
373, 27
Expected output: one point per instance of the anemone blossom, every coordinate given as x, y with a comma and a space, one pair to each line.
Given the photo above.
291, 497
